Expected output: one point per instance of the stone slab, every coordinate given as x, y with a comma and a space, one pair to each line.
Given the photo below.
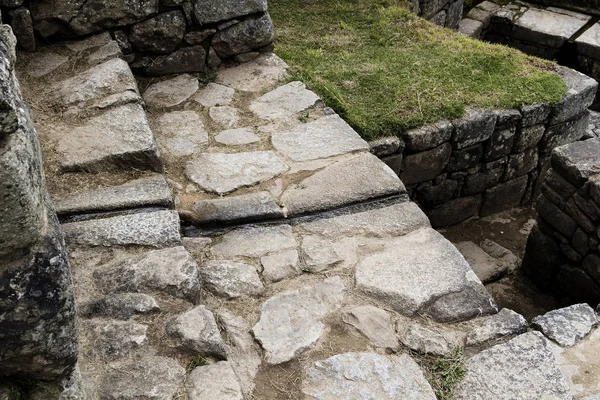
374, 323
171, 92
578, 161
284, 101
581, 91
246, 207
547, 28
181, 132
45, 63
231, 279
255, 241
237, 137
254, 76
215, 95
212, 382
588, 43
567, 326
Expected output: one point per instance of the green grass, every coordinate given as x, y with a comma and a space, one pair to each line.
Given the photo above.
384, 70
445, 373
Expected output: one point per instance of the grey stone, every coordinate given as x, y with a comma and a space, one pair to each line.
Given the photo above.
90, 42
428, 137
547, 28
160, 34
237, 137
106, 79
588, 43
245, 57
325, 137
431, 7
470, 27
246, 207
500, 253
504, 196
541, 258
498, 326
555, 216
119, 138
122, 305
215, 95
475, 127
414, 272
255, 241
123, 41
434, 195
578, 161
171, 270
252, 33
114, 339
154, 229
361, 376
535, 114
197, 37
528, 137
212, 59
224, 173
184, 60
44, 63
486, 267
291, 322
171, 92
560, 185
422, 339
465, 158
576, 284
455, 211
318, 254
279, 266
454, 15
225, 116
143, 192
105, 53
391, 221
481, 181
182, 132
22, 25
211, 382
439, 18
386, 146
207, 11
374, 323
500, 144
197, 330
567, 326
152, 377
256, 75
353, 180
425, 166
524, 368
564, 133
580, 95
231, 279
284, 101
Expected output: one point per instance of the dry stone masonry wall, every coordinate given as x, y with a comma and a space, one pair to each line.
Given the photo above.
156, 37
446, 13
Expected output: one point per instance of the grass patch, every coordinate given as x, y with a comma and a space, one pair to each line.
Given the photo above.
197, 361
444, 373
385, 70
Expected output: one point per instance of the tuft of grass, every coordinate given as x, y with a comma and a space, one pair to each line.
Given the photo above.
444, 373
384, 70
197, 361
304, 117
209, 76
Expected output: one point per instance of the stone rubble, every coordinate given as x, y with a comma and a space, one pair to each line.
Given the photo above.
567, 326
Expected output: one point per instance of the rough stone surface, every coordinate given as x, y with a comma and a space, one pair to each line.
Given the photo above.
498, 326
246, 207
475, 127
197, 330
154, 229
522, 369
386, 146
254, 76
215, 95
279, 266
237, 137
357, 179
224, 173
144, 192
160, 34
361, 376
105, 53
325, 137
171, 92
122, 305
115, 339
529, 137
547, 28
423, 340
290, 322
252, 33
504, 196
208, 11
455, 211
171, 270
567, 326
428, 137
374, 323
182, 132
44, 63
564, 133
225, 116
486, 267
578, 161
22, 25
580, 95
427, 165
255, 241
186, 59
217, 381
284, 101
231, 279
318, 254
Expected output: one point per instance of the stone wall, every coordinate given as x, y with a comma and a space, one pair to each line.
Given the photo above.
446, 13
562, 253
37, 315
488, 161
156, 37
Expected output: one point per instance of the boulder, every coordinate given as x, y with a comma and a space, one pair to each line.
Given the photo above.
196, 330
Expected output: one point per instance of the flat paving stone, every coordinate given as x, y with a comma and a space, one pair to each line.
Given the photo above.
212, 382
416, 271
524, 368
224, 173
144, 192
231, 279
114, 339
196, 330
45, 63
325, 137
215, 95
374, 323
318, 254
121, 305
254, 76
581, 91
423, 340
171, 92
255, 241
120, 137
350, 181
253, 206
237, 137
548, 28
153, 229
567, 326
108, 51
588, 43
280, 265
284, 101
225, 116
362, 376
181, 132
291, 322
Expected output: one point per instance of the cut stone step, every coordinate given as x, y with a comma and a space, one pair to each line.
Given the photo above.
246, 207
284, 101
254, 76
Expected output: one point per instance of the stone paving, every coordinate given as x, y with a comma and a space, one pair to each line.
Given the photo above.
301, 250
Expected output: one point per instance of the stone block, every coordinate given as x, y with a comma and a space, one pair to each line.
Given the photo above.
22, 25
521, 164
160, 34
187, 59
504, 196
588, 43
454, 14
246, 207
425, 166
541, 260
547, 28
528, 136
578, 161
535, 114
556, 217
465, 158
455, 211
475, 127
428, 136
386, 146
243, 37
564, 133
559, 185
481, 181
434, 195
500, 143
580, 95
208, 11
470, 27
577, 285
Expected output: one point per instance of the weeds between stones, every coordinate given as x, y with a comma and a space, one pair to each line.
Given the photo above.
444, 373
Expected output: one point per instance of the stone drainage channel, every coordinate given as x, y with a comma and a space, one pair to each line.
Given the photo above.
343, 277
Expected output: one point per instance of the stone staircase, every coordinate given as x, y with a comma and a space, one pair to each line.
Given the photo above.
304, 271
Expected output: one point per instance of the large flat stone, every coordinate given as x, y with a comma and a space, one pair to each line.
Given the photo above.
196, 330
237, 137
255, 241
224, 173
119, 138
588, 44
522, 369
246, 207
207, 11
423, 340
325, 137
212, 382
581, 91
114, 339
144, 192
291, 322
154, 229
374, 323
567, 326
547, 28
350, 181
182, 132
496, 327
44, 63
171, 92
577, 161
284, 101
416, 271
362, 376
254, 76
231, 279
215, 95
